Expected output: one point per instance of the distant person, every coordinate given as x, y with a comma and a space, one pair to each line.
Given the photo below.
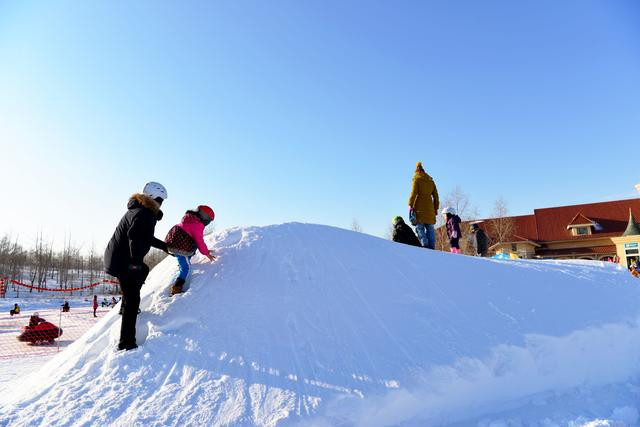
423, 206
633, 269
95, 305
185, 238
15, 310
35, 320
65, 307
479, 240
402, 233
124, 256
453, 229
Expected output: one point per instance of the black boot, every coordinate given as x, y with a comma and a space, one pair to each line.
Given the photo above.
127, 346
176, 288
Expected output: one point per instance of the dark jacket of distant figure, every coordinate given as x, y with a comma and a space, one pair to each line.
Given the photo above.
453, 227
402, 233
480, 242
133, 236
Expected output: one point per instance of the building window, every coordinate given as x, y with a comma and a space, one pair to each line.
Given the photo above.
581, 231
514, 247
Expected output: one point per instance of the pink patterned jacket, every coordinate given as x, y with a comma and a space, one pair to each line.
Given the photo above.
194, 228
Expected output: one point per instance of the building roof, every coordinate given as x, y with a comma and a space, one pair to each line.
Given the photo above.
580, 219
632, 228
550, 224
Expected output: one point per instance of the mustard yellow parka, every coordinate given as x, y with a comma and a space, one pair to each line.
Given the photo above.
424, 198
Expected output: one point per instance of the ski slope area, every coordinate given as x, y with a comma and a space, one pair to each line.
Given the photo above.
300, 324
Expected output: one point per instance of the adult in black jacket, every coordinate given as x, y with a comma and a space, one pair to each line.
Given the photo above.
124, 256
402, 233
479, 240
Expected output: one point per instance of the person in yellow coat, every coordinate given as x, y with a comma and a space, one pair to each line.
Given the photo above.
423, 206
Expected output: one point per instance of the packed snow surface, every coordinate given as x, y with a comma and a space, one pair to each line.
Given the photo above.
314, 325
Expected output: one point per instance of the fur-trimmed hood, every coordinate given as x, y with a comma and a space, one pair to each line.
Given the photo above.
145, 201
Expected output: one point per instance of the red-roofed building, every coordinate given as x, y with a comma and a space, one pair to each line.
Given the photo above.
590, 231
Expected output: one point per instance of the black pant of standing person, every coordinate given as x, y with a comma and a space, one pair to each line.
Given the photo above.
126, 250
131, 285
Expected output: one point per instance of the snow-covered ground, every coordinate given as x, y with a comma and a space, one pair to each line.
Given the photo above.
300, 324
17, 359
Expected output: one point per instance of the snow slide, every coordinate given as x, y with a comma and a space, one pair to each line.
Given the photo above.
299, 324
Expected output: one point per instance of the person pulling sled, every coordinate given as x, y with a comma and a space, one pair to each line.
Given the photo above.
185, 238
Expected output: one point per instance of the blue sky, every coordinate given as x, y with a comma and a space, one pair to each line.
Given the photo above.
313, 112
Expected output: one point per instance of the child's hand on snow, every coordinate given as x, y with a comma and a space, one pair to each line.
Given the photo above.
211, 258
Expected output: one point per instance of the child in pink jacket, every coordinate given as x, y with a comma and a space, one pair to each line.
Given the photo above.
185, 238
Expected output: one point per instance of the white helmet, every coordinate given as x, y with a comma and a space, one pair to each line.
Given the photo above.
155, 189
448, 210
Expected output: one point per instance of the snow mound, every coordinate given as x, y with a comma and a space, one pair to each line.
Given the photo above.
310, 324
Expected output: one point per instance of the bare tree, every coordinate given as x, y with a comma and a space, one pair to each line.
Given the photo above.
40, 261
442, 241
67, 262
94, 265
502, 227
13, 258
41, 264
5, 256
355, 226
461, 202
154, 257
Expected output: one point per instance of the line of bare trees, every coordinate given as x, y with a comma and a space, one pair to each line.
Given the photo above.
42, 266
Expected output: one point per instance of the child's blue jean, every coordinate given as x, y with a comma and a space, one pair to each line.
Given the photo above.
184, 263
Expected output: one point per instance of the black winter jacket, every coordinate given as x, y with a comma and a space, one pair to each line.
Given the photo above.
402, 233
453, 227
133, 236
480, 241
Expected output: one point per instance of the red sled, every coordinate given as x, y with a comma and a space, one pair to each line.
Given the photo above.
42, 332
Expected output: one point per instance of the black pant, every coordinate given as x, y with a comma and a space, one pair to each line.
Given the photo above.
130, 304
454, 242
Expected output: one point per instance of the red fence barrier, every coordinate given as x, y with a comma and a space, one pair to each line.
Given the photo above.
38, 288
45, 330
